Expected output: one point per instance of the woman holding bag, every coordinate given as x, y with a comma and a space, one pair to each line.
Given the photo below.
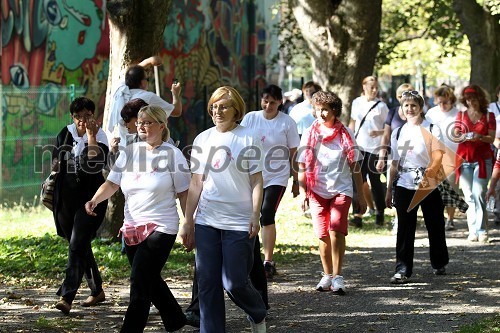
80, 152
151, 174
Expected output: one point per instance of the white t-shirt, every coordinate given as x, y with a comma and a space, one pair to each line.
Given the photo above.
277, 136
150, 180
334, 176
495, 108
375, 121
412, 150
302, 114
446, 123
227, 160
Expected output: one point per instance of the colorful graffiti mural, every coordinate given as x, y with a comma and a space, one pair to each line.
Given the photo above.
49, 46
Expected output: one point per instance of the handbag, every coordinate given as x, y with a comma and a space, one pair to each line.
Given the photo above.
47, 193
49, 184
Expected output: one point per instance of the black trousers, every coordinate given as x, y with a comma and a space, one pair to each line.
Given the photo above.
146, 285
432, 209
368, 168
79, 229
257, 277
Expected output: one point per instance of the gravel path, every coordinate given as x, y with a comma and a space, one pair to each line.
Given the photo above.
470, 291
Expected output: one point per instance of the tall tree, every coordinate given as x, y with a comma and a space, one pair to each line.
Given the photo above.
342, 37
136, 30
482, 28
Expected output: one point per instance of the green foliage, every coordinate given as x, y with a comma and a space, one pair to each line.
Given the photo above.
292, 49
489, 325
405, 20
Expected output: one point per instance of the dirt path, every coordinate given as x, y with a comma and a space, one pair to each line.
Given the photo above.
470, 291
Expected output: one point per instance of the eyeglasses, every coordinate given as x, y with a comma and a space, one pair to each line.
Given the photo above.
82, 117
146, 78
409, 93
220, 107
145, 123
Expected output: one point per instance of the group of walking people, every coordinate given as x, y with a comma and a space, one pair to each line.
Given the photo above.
231, 188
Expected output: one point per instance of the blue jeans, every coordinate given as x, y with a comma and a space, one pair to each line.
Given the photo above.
474, 189
224, 260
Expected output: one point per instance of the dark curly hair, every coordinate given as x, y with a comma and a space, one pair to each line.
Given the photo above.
131, 108
329, 98
475, 91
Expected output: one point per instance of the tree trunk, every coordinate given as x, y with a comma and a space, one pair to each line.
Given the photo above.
483, 32
343, 40
136, 30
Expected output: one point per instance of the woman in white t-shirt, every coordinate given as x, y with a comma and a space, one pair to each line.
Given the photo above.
444, 115
368, 115
226, 193
151, 174
328, 162
279, 137
417, 151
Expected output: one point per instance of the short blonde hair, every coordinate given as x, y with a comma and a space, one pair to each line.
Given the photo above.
159, 115
403, 87
233, 95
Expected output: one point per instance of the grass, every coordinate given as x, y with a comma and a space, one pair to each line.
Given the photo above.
488, 325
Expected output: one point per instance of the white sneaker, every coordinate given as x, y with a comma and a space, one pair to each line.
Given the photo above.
449, 225
472, 238
338, 286
483, 238
325, 282
258, 328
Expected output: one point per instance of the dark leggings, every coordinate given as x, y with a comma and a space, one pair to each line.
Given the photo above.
432, 209
270, 202
146, 284
368, 168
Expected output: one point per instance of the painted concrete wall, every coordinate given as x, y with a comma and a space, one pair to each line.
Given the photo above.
53, 49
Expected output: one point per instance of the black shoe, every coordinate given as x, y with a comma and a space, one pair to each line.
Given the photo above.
356, 222
270, 269
379, 219
193, 319
439, 271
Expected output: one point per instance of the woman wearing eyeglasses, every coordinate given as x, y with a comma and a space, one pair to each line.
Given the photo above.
80, 154
151, 173
226, 193
475, 131
417, 152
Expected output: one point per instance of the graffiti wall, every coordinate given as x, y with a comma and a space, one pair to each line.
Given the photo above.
53, 50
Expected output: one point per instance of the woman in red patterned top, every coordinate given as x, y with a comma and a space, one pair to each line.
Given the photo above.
475, 131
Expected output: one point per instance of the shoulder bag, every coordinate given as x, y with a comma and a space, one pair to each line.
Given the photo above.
48, 185
364, 118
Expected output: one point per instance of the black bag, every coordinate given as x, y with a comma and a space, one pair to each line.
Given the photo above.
49, 184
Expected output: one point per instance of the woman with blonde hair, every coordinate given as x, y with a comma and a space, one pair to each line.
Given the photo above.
226, 194
152, 173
